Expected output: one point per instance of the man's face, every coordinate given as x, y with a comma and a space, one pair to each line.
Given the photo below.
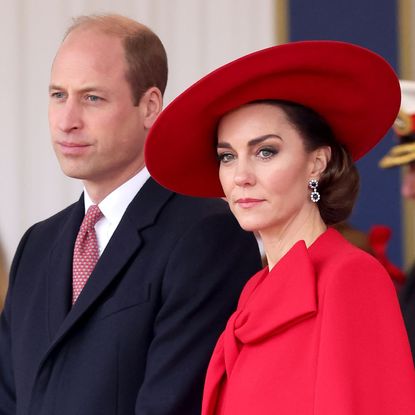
97, 132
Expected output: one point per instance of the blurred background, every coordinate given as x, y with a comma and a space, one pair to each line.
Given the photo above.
199, 35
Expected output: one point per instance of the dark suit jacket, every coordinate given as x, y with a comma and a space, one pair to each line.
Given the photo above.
139, 337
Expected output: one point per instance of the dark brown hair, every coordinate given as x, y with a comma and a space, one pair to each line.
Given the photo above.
339, 183
144, 53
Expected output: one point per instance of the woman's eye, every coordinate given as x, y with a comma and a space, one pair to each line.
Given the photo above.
266, 153
225, 157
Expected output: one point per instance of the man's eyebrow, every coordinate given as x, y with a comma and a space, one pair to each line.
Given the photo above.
88, 88
53, 87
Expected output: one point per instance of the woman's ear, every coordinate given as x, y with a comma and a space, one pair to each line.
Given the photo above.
152, 102
321, 158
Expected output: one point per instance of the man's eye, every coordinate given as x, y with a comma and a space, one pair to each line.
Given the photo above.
57, 95
93, 98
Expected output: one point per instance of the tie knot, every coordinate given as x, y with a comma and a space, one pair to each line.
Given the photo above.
92, 216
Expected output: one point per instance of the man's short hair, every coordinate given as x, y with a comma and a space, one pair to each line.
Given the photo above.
144, 53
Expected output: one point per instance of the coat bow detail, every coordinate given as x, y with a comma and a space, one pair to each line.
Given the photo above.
270, 303
273, 302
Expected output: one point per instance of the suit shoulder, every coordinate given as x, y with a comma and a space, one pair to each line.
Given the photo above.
189, 211
206, 223
202, 206
43, 233
55, 220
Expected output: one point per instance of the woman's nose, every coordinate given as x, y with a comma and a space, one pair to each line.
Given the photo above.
244, 175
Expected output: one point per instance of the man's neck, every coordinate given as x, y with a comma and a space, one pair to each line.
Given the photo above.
98, 191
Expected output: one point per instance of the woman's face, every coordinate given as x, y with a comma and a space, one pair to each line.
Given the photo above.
264, 168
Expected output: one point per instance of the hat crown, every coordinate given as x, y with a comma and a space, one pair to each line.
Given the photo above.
352, 88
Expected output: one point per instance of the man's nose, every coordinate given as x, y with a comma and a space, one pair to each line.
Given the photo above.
70, 117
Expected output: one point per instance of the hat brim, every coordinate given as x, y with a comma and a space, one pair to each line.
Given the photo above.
355, 90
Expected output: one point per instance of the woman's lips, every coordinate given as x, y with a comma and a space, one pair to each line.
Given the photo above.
248, 202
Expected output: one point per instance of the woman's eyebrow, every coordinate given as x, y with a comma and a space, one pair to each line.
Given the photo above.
262, 138
252, 142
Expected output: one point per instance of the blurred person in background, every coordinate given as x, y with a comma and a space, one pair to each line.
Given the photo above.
403, 155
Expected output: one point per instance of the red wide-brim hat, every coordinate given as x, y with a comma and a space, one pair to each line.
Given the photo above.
355, 90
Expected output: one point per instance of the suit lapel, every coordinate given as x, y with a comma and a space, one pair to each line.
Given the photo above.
59, 274
126, 241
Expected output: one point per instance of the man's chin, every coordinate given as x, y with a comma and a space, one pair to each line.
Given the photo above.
74, 173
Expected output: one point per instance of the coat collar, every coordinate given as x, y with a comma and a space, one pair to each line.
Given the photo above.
271, 303
280, 299
286, 296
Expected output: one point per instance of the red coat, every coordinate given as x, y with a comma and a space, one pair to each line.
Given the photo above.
321, 334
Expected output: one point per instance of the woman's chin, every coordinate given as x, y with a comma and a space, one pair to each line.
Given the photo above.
249, 226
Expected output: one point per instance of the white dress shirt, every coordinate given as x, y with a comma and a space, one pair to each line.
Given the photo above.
114, 206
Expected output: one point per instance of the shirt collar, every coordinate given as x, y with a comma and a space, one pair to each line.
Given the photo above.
115, 204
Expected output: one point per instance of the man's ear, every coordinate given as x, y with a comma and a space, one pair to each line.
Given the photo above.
152, 102
321, 157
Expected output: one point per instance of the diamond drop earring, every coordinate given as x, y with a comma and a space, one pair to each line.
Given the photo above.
315, 195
